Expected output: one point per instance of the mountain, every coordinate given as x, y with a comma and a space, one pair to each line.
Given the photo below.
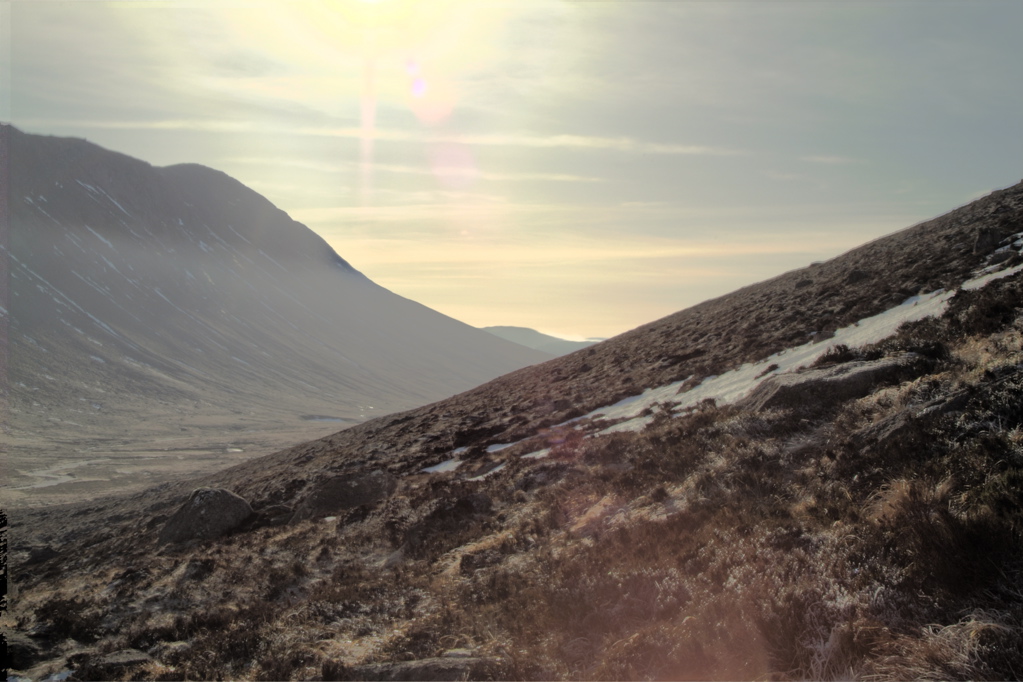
165, 315
819, 476
530, 338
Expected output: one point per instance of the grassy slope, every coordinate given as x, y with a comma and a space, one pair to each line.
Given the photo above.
871, 538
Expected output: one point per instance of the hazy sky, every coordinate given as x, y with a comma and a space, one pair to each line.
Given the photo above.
576, 167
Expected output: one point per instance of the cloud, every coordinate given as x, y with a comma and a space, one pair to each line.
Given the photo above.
563, 141
413, 170
831, 160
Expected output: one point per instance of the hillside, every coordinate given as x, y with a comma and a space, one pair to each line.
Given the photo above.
171, 319
818, 476
531, 338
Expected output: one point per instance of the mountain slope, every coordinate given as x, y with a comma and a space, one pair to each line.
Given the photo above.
537, 341
176, 296
679, 502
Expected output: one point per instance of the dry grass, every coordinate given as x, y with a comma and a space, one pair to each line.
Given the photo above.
880, 542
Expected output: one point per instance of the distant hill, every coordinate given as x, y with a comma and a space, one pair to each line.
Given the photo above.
538, 341
819, 476
157, 310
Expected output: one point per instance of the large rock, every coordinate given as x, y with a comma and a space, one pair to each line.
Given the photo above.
340, 493
819, 388
208, 513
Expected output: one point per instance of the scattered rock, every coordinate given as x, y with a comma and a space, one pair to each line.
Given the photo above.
209, 513
345, 492
828, 385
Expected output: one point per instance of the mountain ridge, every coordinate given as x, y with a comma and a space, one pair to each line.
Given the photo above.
531, 338
175, 297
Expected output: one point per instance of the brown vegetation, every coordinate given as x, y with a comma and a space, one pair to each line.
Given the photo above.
880, 538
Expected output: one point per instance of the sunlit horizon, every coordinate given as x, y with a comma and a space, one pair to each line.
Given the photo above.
576, 168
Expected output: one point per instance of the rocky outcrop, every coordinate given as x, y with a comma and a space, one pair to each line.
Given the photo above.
819, 388
344, 492
209, 513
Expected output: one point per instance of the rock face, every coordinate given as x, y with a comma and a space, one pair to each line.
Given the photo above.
828, 385
345, 492
208, 513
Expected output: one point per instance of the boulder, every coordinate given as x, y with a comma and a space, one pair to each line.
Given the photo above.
340, 493
821, 387
209, 513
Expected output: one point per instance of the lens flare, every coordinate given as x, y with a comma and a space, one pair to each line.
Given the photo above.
433, 100
453, 165
368, 110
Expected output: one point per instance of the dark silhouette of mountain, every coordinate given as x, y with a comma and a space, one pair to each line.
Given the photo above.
818, 476
170, 296
530, 338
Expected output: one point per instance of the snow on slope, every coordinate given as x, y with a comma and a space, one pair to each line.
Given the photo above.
736, 384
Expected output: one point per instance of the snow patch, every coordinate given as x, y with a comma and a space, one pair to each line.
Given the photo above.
978, 282
539, 454
443, 467
738, 383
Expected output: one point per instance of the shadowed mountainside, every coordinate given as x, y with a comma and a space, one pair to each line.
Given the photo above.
856, 517
174, 310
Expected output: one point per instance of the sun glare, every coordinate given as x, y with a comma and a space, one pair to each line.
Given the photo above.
408, 55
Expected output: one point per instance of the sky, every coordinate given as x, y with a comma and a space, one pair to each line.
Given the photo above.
579, 167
